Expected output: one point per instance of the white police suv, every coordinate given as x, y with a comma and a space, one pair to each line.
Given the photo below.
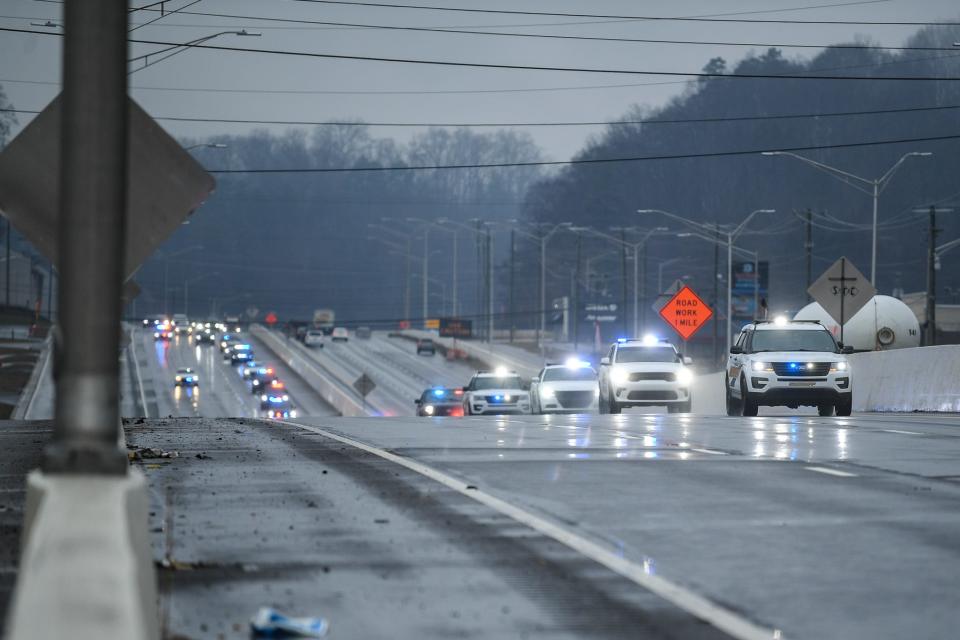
565, 388
495, 393
788, 363
641, 373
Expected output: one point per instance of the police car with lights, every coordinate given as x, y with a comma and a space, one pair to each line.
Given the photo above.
186, 378
788, 363
274, 395
261, 378
281, 410
440, 401
644, 373
565, 388
495, 393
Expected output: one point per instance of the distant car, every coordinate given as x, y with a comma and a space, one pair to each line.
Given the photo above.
440, 401
363, 333
314, 338
262, 378
228, 339
274, 394
565, 388
205, 337
162, 332
249, 369
241, 354
283, 409
186, 378
151, 322
495, 393
340, 334
426, 345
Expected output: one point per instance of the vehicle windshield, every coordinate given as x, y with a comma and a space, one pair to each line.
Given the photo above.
440, 396
647, 354
792, 340
493, 382
564, 374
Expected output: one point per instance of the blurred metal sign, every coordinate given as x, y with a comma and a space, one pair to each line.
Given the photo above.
364, 385
166, 184
842, 290
664, 297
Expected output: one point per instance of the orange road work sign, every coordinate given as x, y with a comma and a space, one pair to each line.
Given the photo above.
686, 312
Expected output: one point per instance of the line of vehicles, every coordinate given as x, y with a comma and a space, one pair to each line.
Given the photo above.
261, 379
772, 363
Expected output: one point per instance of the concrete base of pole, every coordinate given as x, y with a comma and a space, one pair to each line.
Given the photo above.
86, 568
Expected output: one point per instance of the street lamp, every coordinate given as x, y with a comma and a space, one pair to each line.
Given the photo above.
543, 238
166, 273
180, 48
874, 187
209, 145
731, 235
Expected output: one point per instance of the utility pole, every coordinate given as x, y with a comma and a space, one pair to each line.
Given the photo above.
92, 228
623, 279
406, 287
716, 290
808, 248
932, 280
490, 284
512, 257
426, 259
576, 294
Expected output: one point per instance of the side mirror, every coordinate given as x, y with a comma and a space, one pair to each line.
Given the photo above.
417, 402
604, 361
846, 349
734, 350
687, 360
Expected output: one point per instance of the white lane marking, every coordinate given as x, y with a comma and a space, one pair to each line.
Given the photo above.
712, 452
136, 370
908, 433
720, 617
831, 472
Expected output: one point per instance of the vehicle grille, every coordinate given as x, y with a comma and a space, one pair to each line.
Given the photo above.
663, 376
652, 395
818, 370
575, 399
500, 400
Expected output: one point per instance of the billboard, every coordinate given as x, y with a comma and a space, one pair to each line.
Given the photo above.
745, 297
455, 328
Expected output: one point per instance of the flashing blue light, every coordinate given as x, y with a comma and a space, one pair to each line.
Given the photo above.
794, 366
262, 370
439, 393
189, 379
621, 340
242, 347
275, 399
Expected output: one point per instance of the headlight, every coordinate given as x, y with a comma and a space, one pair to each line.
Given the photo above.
286, 397
596, 392
838, 366
762, 366
618, 375
264, 397
547, 392
178, 378
428, 409
684, 376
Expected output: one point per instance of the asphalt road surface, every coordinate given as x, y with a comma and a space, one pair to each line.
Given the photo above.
625, 526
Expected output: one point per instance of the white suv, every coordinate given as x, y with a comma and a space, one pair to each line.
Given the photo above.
642, 373
789, 363
495, 393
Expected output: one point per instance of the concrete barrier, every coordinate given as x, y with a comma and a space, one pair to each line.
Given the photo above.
493, 355
336, 390
39, 388
86, 569
915, 379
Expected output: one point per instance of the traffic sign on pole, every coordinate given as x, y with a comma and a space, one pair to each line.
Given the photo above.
686, 312
664, 296
842, 291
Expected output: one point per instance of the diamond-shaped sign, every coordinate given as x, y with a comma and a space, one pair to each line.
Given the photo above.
364, 385
842, 290
686, 312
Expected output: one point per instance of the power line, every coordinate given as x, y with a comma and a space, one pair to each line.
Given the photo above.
638, 17
587, 161
541, 123
451, 30
517, 67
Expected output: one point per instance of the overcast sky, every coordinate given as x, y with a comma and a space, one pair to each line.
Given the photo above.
362, 89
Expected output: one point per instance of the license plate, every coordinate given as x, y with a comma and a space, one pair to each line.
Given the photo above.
802, 384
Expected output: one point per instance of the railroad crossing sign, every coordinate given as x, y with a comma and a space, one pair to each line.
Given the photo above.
364, 385
686, 312
842, 291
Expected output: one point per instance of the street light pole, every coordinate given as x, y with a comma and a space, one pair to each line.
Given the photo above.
872, 187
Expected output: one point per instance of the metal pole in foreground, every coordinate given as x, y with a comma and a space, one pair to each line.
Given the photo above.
93, 189
729, 290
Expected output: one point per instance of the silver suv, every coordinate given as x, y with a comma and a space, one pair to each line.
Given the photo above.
788, 363
642, 373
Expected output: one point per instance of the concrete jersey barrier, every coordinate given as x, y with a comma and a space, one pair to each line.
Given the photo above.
914, 379
493, 356
333, 388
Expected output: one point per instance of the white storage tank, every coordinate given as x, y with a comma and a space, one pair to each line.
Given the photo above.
883, 323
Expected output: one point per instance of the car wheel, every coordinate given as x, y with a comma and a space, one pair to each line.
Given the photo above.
845, 407
615, 406
733, 406
748, 407
603, 406
673, 408
686, 407
825, 410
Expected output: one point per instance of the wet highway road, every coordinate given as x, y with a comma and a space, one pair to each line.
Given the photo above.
801, 526
222, 391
